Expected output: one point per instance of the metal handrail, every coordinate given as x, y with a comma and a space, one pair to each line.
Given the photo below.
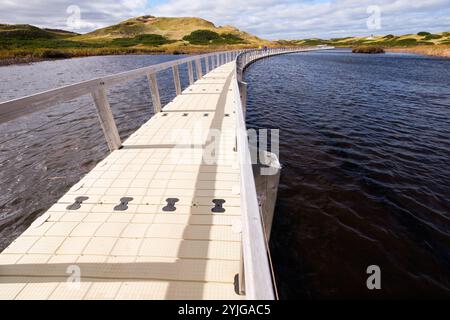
16, 108
255, 278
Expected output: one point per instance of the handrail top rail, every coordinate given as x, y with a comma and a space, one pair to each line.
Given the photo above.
12, 109
35, 102
259, 283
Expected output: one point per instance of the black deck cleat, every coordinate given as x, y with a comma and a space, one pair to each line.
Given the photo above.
77, 204
170, 204
218, 206
123, 206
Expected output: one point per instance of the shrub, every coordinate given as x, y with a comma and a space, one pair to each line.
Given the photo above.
314, 42
26, 34
151, 39
423, 33
432, 36
202, 37
425, 43
230, 38
406, 42
368, 49
144, 39
54, 54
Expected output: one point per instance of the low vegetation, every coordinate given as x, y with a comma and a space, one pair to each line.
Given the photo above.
387, 41
368, 49
142, 35
436, 50
202, 37
208, 37
152, 40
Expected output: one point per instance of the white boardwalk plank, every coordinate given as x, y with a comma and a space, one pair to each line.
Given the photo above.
144, 252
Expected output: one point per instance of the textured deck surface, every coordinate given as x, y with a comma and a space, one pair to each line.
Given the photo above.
144, 251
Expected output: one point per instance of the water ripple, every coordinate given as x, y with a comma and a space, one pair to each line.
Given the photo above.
365, 149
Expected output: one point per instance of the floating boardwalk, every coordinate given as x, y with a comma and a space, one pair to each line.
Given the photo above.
165, 215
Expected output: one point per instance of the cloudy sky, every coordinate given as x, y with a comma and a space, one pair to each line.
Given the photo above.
271, 19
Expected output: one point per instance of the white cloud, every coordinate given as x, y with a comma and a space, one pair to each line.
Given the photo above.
277, 19
273, 19
55, 13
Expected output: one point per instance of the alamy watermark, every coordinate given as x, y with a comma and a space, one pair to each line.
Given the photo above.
374, 280
373, 22
74, 279
74, 21
220, 147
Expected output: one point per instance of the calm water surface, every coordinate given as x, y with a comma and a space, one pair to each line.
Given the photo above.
365, 148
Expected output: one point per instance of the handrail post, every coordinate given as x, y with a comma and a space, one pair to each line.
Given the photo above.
106, 118
207, 64
176, 79
217, 60
155, 92
256, 273
198, 66
190, 72
241, 276
243, 93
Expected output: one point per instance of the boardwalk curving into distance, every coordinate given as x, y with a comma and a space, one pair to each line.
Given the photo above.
170, 213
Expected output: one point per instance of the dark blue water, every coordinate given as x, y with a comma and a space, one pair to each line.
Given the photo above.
365, 149
44, 154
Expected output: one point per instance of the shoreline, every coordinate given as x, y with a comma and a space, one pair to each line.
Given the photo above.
51, 55
432, 51
46, 54
32, 59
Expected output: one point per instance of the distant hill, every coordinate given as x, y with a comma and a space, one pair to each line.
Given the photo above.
142, 35
155, 35
171, 28
390, 40
60, 32
29, 32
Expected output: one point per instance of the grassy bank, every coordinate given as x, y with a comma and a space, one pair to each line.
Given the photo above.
8, 57
20, 56
436, 44
437, 50
24, 43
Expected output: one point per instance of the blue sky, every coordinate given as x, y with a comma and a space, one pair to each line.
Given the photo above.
271, 19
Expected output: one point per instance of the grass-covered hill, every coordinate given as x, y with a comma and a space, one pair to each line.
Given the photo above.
173, 29
29, 32
146, 34
434, 44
